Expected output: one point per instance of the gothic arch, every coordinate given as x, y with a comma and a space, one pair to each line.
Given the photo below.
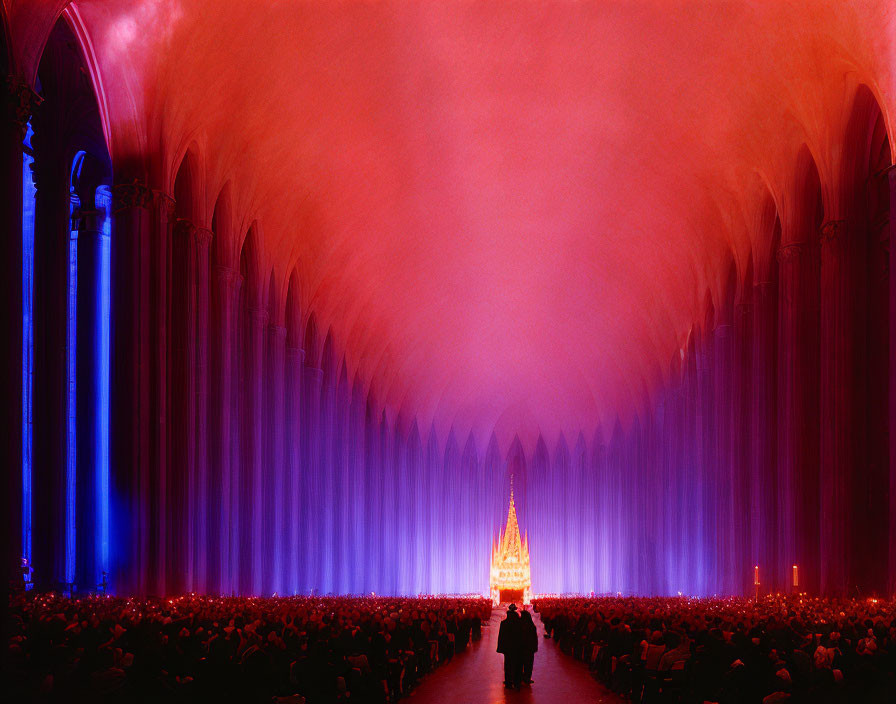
312, 359
187, 187
224, 240
293, 312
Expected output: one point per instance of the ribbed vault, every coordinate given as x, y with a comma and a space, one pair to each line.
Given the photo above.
503, 216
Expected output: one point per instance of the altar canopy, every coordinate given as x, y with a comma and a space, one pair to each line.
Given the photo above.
510, 578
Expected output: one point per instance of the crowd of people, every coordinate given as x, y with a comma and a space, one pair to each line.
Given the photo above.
733, 650
203, 648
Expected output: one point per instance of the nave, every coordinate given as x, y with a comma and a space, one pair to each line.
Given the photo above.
301, 299
476, 675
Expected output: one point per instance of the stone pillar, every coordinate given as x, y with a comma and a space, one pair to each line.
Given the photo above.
182, 412
201, 279
691, 454
160, 481
130, 387
276, 475
188, 394
52, 538
721, 421
740, 448
311, 386
295, 359
892, 390
19, 101
763, 431
89, 300
797, 425
326, 475
673, 527
225, 296
836, 406
253, 424
705, 433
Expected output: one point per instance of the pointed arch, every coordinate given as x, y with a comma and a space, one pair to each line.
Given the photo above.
312, 358
186, 188
865, 127
293, 312
250, 268
272, 300
804, 209
224, 241
328, 354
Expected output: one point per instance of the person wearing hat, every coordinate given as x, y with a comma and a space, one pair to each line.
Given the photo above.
510, 637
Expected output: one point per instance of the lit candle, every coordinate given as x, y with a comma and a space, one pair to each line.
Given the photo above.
756, 575
796, 576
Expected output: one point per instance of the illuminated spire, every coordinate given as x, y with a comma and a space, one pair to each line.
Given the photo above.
510, 556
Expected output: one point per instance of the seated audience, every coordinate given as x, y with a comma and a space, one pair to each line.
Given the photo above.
731, 651
203, 648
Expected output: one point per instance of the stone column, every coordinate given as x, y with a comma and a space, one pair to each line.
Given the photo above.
159, 481
188, 393
276, 474
130, 422
892, 390
254, 435
225, 296
89, 299
311, 386
53, 532
19, 101
763, 431
797, 419
295, 359
673, 527
326, 475
201, 279
705, 433
836, 405
721, 420
182, 412
740, 448
691, 455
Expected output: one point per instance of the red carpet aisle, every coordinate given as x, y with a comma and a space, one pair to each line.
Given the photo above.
476, 676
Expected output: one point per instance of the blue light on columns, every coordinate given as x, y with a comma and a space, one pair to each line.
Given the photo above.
28, 193
104, 203
71, 464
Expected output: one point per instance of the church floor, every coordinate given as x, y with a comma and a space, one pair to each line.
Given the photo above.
476, 676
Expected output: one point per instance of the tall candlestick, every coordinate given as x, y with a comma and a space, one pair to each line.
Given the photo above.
796, 577
756, 575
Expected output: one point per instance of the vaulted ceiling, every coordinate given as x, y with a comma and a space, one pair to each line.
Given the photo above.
510, 214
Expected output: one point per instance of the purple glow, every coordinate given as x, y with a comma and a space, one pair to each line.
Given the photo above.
104, 304
28, 194
381, 509
71, 337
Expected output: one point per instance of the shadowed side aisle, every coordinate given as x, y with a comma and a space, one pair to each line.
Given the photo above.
476, 676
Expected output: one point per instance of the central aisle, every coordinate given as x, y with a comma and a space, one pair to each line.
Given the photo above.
476, 676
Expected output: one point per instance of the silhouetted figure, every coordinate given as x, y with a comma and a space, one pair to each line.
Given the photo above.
529, 646
510, 642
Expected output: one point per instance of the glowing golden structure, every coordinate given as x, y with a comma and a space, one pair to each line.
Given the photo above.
510, 577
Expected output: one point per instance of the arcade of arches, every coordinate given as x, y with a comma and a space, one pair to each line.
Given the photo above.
300, 287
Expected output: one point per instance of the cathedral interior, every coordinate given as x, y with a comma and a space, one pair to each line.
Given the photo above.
478, 300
